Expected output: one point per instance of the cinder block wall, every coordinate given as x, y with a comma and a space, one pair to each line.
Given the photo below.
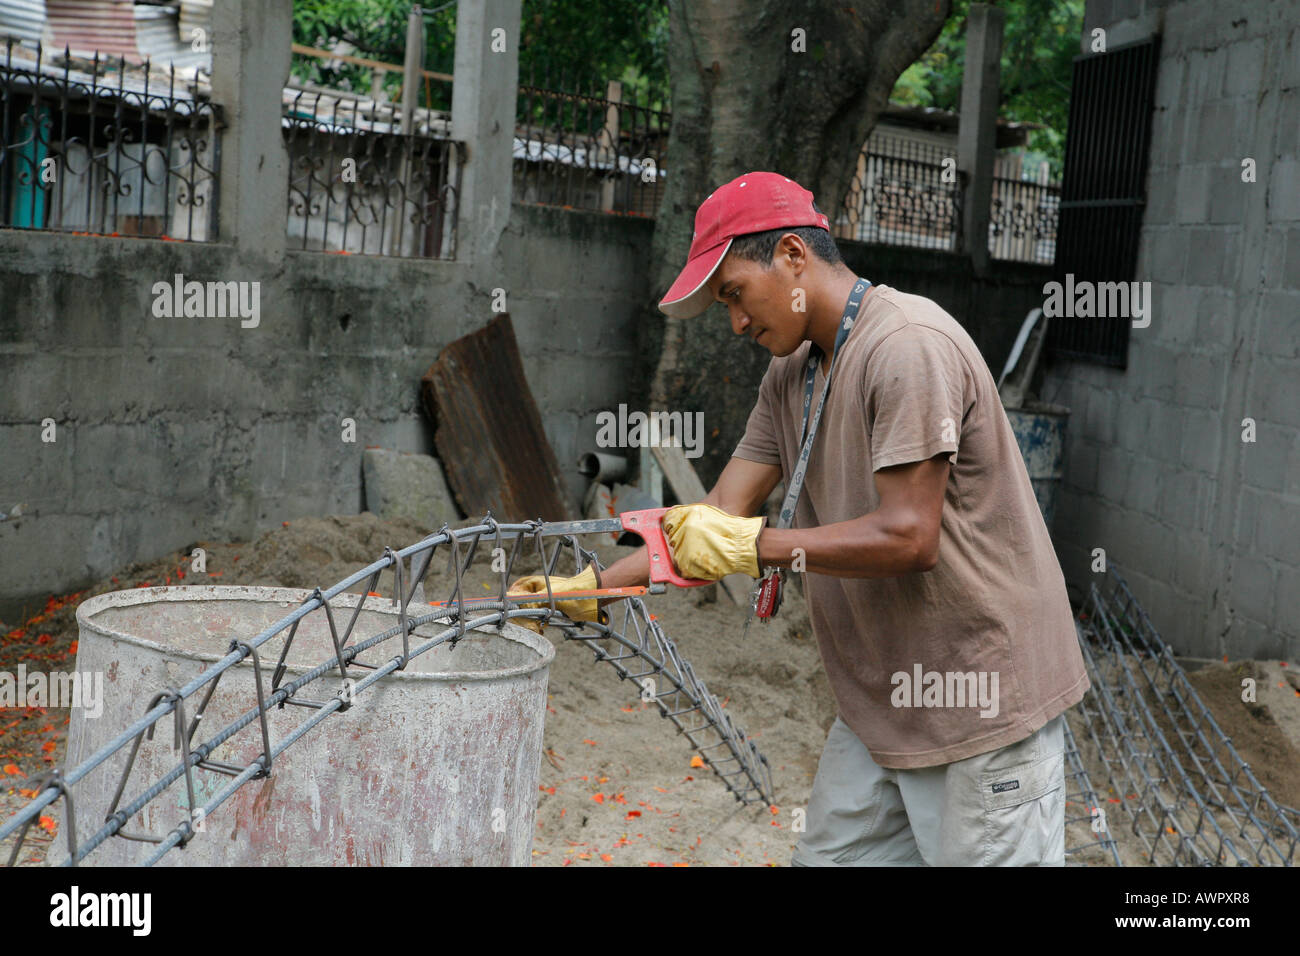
1205, 526
173, 430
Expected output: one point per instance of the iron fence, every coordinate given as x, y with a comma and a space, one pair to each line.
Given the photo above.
360, 184
1023, 220
105, 146
903, 193
589, 150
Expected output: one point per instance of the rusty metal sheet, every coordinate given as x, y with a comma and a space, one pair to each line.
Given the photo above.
107, 26
488, 431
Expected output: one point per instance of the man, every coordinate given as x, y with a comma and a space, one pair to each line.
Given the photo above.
935, 596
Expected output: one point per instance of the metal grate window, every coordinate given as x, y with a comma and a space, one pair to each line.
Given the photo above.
1104, 191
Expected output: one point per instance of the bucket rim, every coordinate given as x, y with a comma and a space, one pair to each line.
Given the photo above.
294, 596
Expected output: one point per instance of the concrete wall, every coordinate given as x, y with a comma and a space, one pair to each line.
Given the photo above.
1205, 526
174, 430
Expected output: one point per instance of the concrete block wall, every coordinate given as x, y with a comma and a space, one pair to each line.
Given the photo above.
175, 430
1206, 527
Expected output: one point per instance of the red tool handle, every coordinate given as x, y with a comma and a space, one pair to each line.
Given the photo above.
648, 524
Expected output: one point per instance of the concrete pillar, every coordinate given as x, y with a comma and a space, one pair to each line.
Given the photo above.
977, 134
250, 65
483, 117
412, 66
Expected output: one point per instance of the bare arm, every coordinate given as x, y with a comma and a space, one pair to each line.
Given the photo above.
899, 537
741, 490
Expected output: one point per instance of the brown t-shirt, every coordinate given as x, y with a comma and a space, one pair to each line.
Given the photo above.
916, 660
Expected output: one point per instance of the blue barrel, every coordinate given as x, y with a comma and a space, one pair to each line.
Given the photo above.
1040, 434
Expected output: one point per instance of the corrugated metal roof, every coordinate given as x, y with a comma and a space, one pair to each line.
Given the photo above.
196, 14
85, 26
158, 37
23, 19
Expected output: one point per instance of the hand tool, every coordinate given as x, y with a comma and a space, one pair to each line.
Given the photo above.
648, 525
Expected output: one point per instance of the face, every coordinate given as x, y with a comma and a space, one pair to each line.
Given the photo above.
759, 301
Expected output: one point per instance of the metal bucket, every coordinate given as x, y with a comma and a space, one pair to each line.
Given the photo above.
437, 764
1040, 434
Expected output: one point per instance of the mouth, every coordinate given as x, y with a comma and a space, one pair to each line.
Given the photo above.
760, 335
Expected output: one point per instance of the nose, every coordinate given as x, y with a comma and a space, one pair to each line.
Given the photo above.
739, 320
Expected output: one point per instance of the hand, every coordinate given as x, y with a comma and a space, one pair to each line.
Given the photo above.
585, 610
707, 543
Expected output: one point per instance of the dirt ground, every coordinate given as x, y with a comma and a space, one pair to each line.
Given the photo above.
617, 784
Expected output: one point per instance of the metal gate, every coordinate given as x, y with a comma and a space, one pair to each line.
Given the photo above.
1104, 190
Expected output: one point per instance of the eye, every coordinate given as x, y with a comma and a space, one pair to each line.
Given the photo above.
734, 293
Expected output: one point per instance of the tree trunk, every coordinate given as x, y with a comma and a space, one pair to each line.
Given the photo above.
742, 100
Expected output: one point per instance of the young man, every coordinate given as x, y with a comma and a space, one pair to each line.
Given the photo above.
935, 595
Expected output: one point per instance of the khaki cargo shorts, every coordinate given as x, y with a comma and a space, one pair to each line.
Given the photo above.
1001, 808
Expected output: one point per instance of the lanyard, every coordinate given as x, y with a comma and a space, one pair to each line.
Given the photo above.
806, 433
766, 597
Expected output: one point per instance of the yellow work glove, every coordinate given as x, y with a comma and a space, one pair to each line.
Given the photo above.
585, 610
707, 543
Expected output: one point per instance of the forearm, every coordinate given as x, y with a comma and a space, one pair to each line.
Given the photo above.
866, 547
629, 571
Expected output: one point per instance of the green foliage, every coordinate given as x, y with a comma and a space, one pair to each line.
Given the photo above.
377, 31
590, 42
587, 42
1039, 45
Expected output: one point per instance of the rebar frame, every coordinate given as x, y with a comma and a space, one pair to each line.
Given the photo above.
1079, 792
1191, 798
641, 651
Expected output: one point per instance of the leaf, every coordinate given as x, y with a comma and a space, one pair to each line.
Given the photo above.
697, 762
13, 771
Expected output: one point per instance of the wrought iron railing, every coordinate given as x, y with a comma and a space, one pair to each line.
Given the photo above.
360, 184
1023, 220
105, 146
589, 150
903, 193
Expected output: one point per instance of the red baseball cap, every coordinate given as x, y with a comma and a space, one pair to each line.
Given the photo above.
754, 202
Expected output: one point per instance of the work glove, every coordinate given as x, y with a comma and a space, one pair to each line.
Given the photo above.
585, 610
708, 544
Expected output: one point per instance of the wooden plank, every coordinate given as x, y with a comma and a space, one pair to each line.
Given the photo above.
488, 431
689, 489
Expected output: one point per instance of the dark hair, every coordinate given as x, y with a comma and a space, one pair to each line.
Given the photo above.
759, 246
